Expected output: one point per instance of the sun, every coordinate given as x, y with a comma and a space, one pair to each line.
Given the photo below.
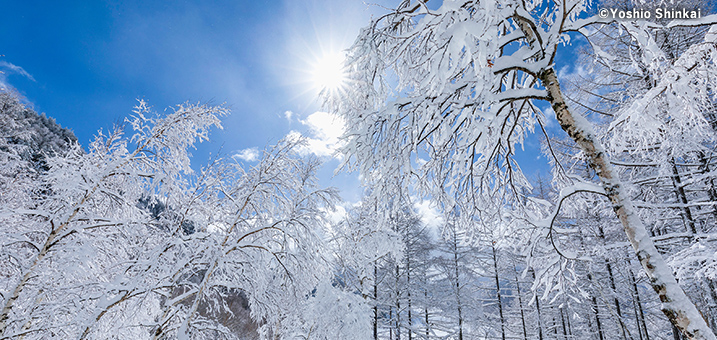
329, 73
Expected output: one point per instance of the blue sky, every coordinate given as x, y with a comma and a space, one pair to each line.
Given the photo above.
85, 63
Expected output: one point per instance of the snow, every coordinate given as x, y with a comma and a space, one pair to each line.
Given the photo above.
126, 240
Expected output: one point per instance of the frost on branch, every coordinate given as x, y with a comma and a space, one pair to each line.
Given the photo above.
128, 240
444, 97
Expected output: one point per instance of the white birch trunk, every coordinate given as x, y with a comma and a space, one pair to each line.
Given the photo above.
675, 303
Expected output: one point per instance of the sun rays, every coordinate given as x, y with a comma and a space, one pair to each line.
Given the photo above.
328, 72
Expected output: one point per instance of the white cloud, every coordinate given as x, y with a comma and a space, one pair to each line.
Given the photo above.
4, 86
249, 155
322, 138
572, 72
9, 68
293, 135
15, 69
430, 217
325, 130
337, 215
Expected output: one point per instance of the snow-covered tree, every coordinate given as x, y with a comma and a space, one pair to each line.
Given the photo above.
662, 152
91, 204
457, 265
26, 139
267, 224
446, 96
126, 240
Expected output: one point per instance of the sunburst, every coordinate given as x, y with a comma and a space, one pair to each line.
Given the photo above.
329, 72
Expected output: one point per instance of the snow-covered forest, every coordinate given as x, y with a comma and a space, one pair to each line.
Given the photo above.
617, 239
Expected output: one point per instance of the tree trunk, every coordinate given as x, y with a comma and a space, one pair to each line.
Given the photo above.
408, 292
675, 303
520, 304
458, 296
597, 318
497, 290
459, 306
613, 287
425, 309
618, 310
537, 311
375, 301
555, 326
676, 333
682, 197
637, 319
398, 305
712, 191
596, 310
570, 328
641, 322
713, 307
562, 320
390, 326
